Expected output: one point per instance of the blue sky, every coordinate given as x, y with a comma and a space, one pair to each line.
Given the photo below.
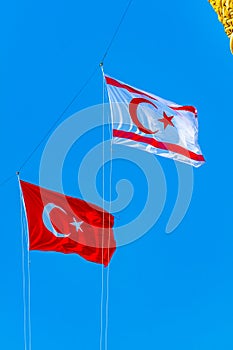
166, 291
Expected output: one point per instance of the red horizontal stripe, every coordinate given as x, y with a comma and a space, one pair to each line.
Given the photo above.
157, 144
129, 88
185, 108
116, 83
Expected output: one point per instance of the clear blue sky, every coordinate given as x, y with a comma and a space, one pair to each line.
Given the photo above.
166, 291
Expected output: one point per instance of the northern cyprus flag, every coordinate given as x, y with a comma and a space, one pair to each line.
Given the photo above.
153, 124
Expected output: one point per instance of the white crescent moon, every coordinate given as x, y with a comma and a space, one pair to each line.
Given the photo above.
47, 221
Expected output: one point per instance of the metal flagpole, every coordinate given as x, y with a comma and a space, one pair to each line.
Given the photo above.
25, 272
109, 228
102, 243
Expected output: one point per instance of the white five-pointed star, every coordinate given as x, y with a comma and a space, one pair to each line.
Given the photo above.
77, 224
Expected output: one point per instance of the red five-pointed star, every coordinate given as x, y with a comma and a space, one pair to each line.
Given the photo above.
166, 120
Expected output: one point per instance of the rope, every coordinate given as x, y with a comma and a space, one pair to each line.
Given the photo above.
59, 118
117, 30
74, 98
8, 179
53, 126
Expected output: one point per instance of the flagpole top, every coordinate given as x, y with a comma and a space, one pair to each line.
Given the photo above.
17, 173
101, 64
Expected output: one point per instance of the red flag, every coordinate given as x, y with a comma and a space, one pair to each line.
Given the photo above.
68, 225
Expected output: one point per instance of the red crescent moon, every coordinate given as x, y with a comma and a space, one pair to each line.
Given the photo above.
133, 106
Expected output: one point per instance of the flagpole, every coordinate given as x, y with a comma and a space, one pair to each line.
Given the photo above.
109, 210
103, 205
26, 281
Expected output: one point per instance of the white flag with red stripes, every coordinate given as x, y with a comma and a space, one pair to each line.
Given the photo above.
153, 124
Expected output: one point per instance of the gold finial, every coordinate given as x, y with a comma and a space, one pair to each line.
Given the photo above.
224, 10
231, 43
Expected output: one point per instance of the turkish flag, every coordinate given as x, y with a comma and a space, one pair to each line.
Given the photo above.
153, 124
67, 225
